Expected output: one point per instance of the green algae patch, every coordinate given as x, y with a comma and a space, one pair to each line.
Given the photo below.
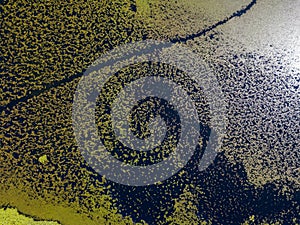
54, 42
43, 159
101, 210
11, 216
143, 7
185, 210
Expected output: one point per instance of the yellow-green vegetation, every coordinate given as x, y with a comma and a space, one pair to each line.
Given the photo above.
42, 172
39, 189
47, 207
143, 8
46, 41
43, 159
13, 217
185, 210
